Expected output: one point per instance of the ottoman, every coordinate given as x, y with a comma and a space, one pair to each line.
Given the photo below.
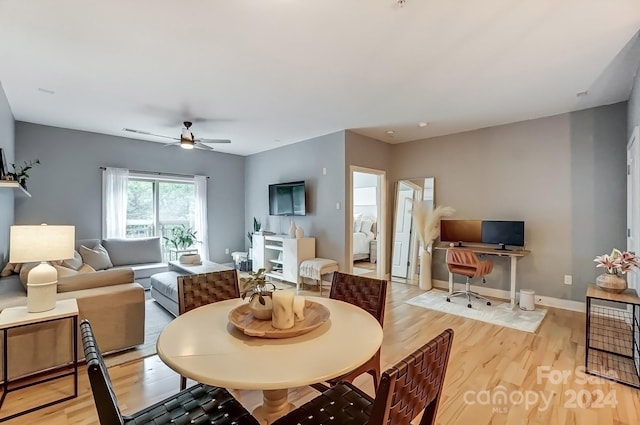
164, 290
315, 268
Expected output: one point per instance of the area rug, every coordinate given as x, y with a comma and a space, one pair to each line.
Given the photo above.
497, 313
155, 319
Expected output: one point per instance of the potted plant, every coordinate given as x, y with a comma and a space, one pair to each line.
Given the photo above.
21, 174
259, 292
181, 237
615, 265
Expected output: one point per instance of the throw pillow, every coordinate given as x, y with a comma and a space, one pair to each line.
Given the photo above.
24, 272
357, 222
365, 226
65, 271
85, 268
98, 257
8, 270
73, 263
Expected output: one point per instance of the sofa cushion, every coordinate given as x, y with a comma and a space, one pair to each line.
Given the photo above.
65, 272
87, 242
97, 257
167, 284
142, 271
94, 280
134, 251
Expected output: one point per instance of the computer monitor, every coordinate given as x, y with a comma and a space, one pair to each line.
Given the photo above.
503, 233
461, 231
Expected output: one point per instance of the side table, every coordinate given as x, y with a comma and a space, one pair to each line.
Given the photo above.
18, 317
373, 251
612, 348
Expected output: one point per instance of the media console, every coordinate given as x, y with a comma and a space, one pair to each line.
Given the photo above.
513, 255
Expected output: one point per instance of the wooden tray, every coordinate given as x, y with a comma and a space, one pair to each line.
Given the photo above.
315, 314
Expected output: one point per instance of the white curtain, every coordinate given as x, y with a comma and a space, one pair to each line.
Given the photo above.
114, 202
200, 225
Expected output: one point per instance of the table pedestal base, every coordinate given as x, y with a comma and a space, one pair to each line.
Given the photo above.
274, 405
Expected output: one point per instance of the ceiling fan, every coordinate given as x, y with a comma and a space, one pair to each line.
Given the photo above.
186, 140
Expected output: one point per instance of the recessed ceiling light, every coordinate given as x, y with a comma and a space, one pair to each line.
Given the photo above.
390, 132
423, 124
582, 93
47, 91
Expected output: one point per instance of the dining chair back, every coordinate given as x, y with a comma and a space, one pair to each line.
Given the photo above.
196, 290
198, 404
411, 386
370, 295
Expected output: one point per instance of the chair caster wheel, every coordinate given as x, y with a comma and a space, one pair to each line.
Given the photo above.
488, 302
469, 305
448, 299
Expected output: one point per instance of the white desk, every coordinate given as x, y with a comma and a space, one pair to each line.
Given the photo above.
204, 346
513, 255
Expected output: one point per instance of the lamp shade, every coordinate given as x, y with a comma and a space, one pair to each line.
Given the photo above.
41, 243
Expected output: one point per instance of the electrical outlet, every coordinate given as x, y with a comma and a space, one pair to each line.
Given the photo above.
567, 279
226, 251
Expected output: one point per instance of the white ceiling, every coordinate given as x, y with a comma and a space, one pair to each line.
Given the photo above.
272, 72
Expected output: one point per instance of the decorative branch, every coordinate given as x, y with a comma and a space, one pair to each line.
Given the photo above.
427, 220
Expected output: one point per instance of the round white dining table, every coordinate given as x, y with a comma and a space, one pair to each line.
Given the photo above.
204, 346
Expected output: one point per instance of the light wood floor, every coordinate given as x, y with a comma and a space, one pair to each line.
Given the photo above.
484, 357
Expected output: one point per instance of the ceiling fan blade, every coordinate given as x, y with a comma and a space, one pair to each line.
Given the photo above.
200, 146
213, 140
146, 133
172, 144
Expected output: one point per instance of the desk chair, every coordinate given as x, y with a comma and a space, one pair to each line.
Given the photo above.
414, 384
466, 263
196, 290
199, 404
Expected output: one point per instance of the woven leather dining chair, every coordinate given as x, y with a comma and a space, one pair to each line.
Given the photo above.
371, 295
198, 404
196, 290
413, 384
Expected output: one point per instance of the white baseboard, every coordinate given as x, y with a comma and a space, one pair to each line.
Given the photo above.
571, 305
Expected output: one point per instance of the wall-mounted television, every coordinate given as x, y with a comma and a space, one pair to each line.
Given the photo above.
503, 232
287, 199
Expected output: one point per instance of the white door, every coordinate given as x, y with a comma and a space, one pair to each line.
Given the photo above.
402, 235
633, 203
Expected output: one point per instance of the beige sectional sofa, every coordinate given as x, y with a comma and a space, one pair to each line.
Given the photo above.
111, 300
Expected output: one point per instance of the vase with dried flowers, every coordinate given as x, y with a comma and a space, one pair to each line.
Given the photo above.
615, 265
427, 221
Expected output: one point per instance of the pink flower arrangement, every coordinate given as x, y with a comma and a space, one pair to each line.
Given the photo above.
617, 262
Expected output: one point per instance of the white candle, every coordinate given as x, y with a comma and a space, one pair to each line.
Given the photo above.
282, 316
298, 307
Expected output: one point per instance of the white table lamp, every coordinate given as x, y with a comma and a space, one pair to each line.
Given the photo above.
41, 243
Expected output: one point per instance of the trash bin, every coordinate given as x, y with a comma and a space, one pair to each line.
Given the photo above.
527, 300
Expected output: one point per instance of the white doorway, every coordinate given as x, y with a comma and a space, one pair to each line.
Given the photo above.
367, 224
633, 203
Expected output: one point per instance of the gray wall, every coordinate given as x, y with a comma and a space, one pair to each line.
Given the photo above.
66, 187
363, 151
7, 125
302, 161
633, 118
563, 175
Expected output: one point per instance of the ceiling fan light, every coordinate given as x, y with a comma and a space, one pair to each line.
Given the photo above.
186, 144
186, 134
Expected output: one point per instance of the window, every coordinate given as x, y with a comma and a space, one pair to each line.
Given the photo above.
156, 205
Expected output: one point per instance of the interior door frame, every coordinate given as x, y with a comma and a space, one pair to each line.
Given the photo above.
381, 262
633, 224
